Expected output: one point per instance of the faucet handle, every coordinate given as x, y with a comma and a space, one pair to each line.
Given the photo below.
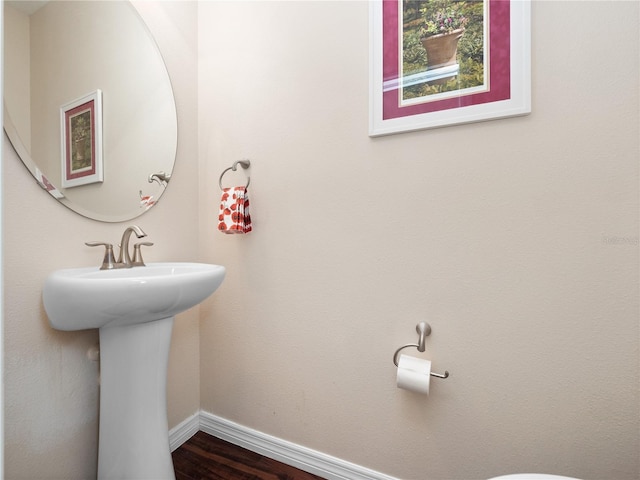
109, 261
137, 253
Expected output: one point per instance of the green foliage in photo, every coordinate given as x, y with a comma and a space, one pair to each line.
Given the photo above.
416, 15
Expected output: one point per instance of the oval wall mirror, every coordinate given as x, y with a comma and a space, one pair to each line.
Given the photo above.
88, 105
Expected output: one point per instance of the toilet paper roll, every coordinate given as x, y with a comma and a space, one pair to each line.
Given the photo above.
414, 374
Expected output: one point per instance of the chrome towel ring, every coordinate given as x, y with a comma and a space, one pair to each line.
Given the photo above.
244, 164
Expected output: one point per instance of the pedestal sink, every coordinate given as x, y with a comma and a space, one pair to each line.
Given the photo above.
134, 309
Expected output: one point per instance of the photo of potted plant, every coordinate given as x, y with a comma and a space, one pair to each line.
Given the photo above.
444, 24
81, 136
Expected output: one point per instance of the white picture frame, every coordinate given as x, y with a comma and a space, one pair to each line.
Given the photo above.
81, 141
507, 49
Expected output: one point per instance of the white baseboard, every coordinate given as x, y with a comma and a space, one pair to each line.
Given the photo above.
289, 453
184, 431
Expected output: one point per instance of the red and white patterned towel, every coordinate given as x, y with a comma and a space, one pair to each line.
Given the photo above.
234, 211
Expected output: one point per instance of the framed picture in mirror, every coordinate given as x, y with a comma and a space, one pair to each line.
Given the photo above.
81, 139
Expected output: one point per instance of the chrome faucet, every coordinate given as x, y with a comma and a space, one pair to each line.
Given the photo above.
161, 177
124, 258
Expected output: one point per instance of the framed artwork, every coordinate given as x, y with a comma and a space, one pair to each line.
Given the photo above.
435, 63
81, 139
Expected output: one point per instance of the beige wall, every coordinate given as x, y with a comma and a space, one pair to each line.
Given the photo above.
50, 387
509, 237
15, 72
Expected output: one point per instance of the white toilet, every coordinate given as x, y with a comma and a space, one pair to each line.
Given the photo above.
532, 476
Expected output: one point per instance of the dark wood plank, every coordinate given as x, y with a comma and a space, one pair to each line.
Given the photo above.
205, 457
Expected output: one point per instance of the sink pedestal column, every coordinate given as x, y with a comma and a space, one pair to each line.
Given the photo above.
134, 437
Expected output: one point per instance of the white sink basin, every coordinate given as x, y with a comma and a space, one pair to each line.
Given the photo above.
134, 309
80, 298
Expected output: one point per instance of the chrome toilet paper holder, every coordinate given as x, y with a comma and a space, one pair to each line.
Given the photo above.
424, 330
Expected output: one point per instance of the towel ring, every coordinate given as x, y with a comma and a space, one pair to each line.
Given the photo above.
244, 164
424, 330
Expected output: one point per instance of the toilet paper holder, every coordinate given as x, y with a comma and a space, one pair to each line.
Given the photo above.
424, 330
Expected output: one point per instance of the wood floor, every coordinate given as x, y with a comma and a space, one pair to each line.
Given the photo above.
206, 457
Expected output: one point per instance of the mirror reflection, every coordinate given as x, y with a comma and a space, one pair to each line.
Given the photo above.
88, 104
